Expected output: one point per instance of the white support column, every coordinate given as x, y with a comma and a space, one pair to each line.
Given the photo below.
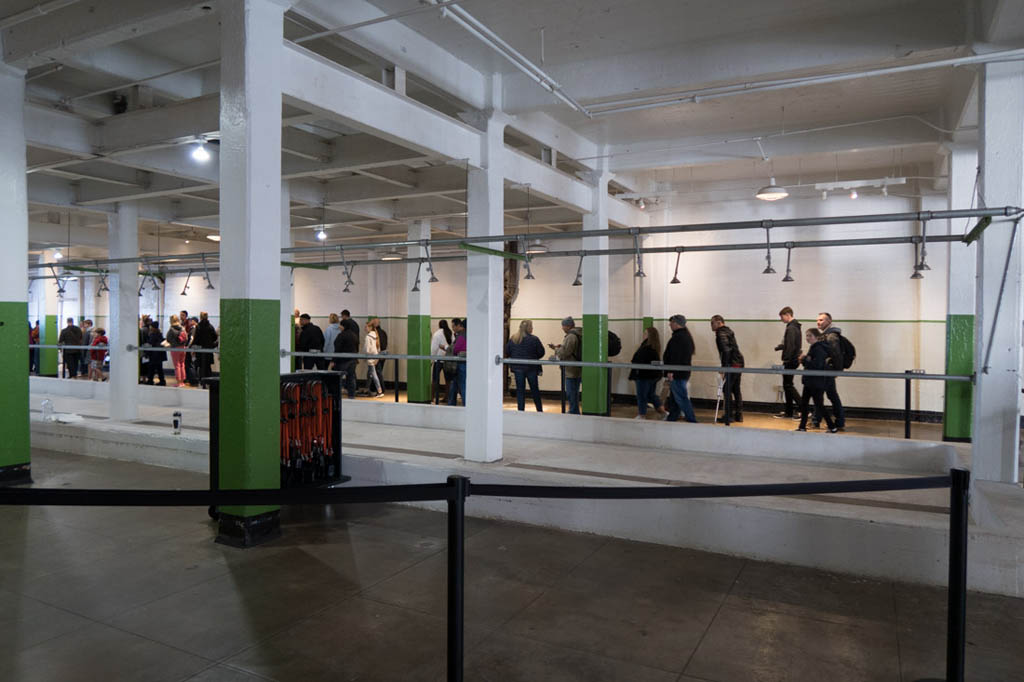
418, 317
996, 430
484, 303
595, 297
251, 74
14, 408
960, 295
287, 290
123, 242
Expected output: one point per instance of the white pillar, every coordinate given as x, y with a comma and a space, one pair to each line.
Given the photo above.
14, 409
595, 298
418, 329
997, 393
123, 242
287, 289
484, 303
960, 295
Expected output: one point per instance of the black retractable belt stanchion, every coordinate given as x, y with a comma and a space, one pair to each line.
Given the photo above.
956, 628
906, 404
396, 361
456, 574
562, 387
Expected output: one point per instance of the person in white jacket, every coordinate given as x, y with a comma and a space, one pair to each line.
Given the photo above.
372, 347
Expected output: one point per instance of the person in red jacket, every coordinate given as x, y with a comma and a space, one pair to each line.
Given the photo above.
97, 356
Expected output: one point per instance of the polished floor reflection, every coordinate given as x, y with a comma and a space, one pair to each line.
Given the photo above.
358, 593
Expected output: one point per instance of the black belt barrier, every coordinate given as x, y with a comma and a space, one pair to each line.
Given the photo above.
458, 488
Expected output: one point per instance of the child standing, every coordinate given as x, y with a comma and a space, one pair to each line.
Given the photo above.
97, 356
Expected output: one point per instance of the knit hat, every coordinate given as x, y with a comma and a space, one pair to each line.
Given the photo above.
568, 322
678, 319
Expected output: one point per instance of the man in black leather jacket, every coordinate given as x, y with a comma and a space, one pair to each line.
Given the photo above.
792, 344
730, 355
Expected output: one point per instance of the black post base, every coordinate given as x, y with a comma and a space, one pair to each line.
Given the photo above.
16, 474
248, 531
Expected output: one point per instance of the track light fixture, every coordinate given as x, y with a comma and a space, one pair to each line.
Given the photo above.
430, 267
789, 258
675, 275
103, 281
922, 264
536, 246
188, 278
579, 272
769, 270
917, 265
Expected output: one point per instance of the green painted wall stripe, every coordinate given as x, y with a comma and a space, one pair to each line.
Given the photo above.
735, 319
48, 335
418, 372
15, 444
595, 379
646, 322
250, 405
958, 408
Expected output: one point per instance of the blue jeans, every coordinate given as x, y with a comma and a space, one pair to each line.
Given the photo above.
458, 386
572, 394
681, 400
645, 394
522, 376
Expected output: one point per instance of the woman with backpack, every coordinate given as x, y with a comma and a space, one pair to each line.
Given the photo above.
177, 338
523, 345
648, 353
372, 348
814, 386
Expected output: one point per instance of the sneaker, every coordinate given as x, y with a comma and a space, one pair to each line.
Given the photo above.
380, 395
640, 416
664, 417
799, 429
840, 428
833, 430
782, 415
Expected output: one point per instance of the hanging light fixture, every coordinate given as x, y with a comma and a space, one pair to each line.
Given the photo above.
789, 257
771, 191
103, 281
206, 273
416, 284
57, 255
922, 264
535, 245
321, 235
853, 194
639, 257
213, 237
199, 153
917, 265
184, 289
675, 275
579, 273
769, 270
391, 255
430, 266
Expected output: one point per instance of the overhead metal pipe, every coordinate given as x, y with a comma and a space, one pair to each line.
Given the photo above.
698, 95
913, 216
378, 20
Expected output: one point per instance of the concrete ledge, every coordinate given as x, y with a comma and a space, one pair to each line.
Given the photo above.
877, 454
125, 442
159, 396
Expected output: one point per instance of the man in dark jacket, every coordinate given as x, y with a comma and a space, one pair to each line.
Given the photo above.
792, 344
311, 340
347, 342
348, 323
71, 335
679, 351
730, 355
830, 334
204, 336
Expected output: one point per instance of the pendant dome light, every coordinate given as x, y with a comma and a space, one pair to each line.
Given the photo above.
772, 191
534, 246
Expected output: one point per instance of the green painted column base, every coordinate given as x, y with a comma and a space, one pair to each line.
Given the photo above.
957, 412
595, 379
248, 531
48, 335
249, 440
418, 371
15, 444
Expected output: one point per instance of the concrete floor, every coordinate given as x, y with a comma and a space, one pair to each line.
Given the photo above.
357, 593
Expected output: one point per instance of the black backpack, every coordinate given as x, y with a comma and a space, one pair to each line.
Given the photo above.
848, 350
614, 344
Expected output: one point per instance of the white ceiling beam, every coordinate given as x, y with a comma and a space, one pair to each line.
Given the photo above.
305, 145
336, 93
1001, 20
400, 45
90, 192
128, 64
104, 172
159, 126
88, 26
427, 182
792, 49
58, 131
552, 133
691, 151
